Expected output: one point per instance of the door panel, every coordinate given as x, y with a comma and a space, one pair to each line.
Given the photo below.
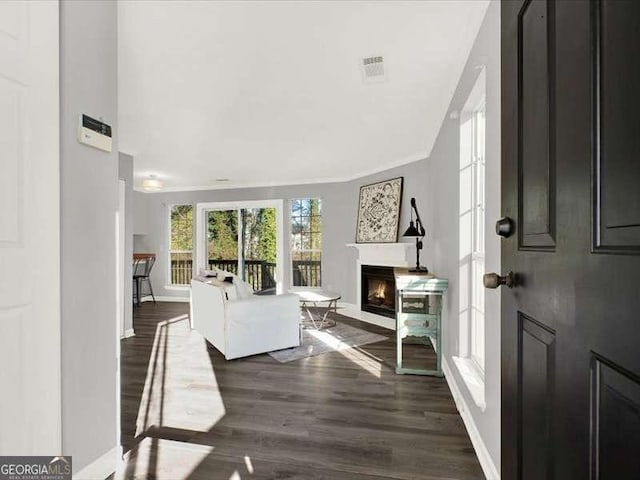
30, 406
14, 46
536, 367
11, 105
615, 430
570, 362
617, 169
535, 160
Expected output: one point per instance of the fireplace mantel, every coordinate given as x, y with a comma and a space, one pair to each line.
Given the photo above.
385, 254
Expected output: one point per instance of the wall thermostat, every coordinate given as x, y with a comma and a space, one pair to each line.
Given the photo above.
94, 133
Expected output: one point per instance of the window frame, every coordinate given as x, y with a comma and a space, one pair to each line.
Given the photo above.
169, 283
472, 241
200, 234
304, 250
478, 232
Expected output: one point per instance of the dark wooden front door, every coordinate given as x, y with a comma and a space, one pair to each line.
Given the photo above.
571, 185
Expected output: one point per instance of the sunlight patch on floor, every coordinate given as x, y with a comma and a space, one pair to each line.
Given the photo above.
180, 391
363, 360
328, 339
247, 462
368, 362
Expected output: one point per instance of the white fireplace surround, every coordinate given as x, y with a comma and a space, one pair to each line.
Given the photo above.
383, 255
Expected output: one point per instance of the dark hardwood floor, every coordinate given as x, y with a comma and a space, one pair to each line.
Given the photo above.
189, 413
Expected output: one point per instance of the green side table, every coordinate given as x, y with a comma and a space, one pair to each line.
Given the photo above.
419, 315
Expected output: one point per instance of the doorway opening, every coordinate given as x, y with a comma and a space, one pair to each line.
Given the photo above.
244, 238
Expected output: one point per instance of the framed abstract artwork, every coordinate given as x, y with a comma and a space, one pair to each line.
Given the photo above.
379, 212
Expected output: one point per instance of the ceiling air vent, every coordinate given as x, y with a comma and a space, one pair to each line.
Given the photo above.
373, 69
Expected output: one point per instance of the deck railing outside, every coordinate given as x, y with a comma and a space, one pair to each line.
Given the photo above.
260, 274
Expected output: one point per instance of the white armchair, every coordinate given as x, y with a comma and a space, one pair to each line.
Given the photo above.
239, 327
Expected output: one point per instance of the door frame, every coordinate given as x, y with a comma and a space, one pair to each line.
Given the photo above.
120, 257
201, 221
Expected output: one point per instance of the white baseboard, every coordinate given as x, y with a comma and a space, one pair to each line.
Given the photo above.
102, 467
128, 333
352, 311
486, 462
161, 298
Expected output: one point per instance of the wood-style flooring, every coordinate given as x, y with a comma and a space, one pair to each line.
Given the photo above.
189, 413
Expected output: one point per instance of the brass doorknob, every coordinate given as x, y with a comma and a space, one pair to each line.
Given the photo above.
493, 280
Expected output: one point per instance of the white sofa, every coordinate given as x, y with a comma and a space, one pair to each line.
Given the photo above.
239, 323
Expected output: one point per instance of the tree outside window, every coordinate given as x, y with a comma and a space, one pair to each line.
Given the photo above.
181, 244
306, 242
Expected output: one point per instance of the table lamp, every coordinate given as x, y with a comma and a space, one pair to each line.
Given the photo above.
416, 230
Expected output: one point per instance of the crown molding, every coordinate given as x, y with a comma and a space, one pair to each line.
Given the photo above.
236, 186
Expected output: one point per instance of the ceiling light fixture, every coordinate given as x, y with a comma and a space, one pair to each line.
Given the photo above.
152, 184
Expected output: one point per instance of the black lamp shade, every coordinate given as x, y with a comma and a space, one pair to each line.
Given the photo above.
412, 231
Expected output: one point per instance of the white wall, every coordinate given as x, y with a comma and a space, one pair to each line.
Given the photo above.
125, 172
443, 247
89, 201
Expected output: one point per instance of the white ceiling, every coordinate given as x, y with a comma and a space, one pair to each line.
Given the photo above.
271, 93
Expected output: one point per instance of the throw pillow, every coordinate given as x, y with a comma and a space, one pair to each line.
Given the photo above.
222, 275
243, 288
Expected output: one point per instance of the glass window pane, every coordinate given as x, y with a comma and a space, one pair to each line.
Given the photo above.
182, 227
181, 268
222, 240
306, 241
472, 222
181, 244
304, 223
307, 270
316, 241
306, 235
259, 249
296, 225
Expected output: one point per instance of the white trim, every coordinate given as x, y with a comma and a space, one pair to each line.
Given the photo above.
486, 462
149, 298
473, 377
101, 467
278, 204
128, 333
120, 255
230, 186
120, 295
353, 311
